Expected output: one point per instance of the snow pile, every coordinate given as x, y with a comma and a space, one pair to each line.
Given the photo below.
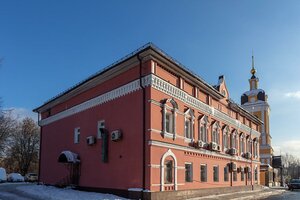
53, 193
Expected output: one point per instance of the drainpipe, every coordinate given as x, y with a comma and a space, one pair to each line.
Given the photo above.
40, 150
252, 187
144, 125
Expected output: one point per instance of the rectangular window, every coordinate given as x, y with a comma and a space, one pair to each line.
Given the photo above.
226, 173
169, 123
188, 172
203, 171
76, 135
216, 173
101, 126
234, 176
187, 129
255, 175
249, 176
168, 171
242, 176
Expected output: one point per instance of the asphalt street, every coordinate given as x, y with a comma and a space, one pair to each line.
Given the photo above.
289, 195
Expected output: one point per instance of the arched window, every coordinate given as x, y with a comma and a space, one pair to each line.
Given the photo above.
189, 124
225, 138
215, 132
170, 108
203, 126
168, 175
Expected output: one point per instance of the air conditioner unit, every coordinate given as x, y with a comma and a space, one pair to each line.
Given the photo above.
116, 135
247, 155
213, 146
219, 148
90, 140
232, 151
233, 167
200, 144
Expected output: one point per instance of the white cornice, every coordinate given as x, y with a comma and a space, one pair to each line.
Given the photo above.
202, 151
111, 95
159, 84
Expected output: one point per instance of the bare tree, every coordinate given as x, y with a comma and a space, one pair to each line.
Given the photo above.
6, 127
24, 146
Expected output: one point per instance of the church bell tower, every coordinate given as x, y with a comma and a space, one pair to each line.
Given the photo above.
255, 101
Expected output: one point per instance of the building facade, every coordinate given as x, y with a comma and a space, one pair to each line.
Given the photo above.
256, 102
146, 125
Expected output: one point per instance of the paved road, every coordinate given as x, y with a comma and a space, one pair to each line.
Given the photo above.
9, 192
289, 195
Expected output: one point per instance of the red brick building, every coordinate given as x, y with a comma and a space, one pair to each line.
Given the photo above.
146, 125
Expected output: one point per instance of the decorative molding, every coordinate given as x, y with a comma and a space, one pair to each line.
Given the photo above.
175, 92
106, 97
202, 151
162, 171
159, 84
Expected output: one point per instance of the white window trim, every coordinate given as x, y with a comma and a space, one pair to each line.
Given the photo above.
101, 124
162, 174
189, 116
76, 135
203, 122
225, 136
173, 110
216, 127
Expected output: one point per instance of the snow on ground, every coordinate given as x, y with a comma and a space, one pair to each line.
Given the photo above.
53, 193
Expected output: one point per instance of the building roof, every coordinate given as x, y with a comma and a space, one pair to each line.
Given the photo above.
145, 47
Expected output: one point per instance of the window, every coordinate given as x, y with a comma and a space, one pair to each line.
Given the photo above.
225, 138
188, 172
169, 122
233, 139
203, 121
215, 132
226, 173
242, 175
187, 129
169, 116
203, 171
249, 176
255, 174
255, 148
234, 174
242, 144
188, 124
168, 171
249, 145
216, 173
101, 126
76, 135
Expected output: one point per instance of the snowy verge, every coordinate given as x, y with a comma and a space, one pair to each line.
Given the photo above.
53, 193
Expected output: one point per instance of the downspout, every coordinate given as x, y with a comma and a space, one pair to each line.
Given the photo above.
144, 125
40, 150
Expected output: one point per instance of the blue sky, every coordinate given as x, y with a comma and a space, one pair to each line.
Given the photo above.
48, 46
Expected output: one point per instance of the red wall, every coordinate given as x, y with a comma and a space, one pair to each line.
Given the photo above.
124, 167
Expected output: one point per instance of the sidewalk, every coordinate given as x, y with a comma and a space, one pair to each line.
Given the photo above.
244, 195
